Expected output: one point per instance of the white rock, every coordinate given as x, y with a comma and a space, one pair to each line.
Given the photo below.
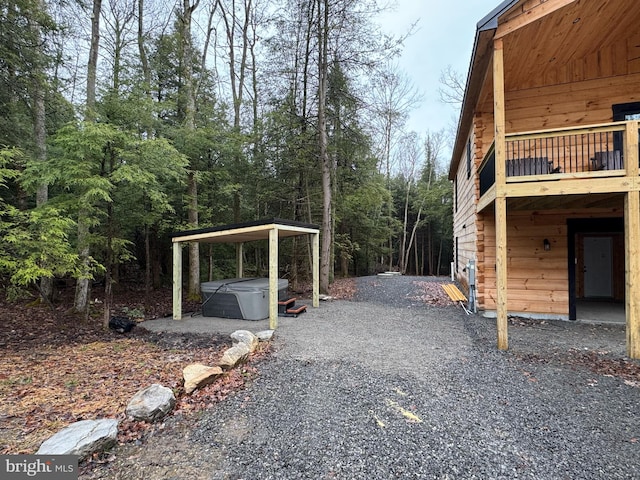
265, 335
246, 337
151, 403
81, 438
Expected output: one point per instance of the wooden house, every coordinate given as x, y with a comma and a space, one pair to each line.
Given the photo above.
545, 162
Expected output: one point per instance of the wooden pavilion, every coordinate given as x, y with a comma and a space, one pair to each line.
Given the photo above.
269, 229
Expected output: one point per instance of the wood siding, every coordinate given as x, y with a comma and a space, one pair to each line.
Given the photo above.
464, 223
538, 280
581, 103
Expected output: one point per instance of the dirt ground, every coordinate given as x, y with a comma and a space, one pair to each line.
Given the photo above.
57, 368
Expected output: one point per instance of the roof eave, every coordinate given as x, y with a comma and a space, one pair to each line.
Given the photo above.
485, 30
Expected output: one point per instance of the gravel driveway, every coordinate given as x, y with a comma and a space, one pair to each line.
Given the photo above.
385, 387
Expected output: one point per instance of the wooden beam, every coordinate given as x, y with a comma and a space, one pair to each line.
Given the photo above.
564, 131
177, 281
620, 184
499, 112
501, 200
273, 278
632, 272
240, 260
243, 234
487, 199
631, 149
529, 16
315, 268
632, 242
501, 273
228, 234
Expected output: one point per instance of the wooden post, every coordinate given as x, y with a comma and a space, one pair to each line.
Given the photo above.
501, 273
177, 281
632, 272
273, 278
632, 244
315, 268
631, 149
239, 261
501, 200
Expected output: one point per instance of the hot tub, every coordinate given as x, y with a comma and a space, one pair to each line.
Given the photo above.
243, 298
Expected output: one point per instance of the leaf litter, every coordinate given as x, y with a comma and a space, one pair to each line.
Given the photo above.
56, 369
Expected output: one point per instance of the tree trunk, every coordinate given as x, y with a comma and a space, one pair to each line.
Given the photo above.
147, 264
92, 66
144, 61
40, 140
325, 159
405, 224
81, 300
188, 107
194, 247
439, 258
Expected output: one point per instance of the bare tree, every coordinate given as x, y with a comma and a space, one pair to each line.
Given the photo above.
452, 87
393, 98
409, 163
120, 19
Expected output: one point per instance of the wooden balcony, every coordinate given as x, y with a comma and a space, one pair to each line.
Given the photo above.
577, 160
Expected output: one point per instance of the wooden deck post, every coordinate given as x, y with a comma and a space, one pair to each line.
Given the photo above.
177, 281
239, 260
632, 272
315, 268
501, 200
273, 278
632, 244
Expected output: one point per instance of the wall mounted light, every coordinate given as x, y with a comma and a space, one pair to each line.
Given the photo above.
546, 244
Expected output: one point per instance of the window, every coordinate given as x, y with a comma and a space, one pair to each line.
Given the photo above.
469, 158
455, 194
621, 113
457, 254
626, 111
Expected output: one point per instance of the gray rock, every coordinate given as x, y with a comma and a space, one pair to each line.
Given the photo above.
151, 404
234, 356
246, 337
265, 335
81, 438
197, 375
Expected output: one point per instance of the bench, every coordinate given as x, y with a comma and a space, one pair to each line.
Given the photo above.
609, 160
455, 295
517, 167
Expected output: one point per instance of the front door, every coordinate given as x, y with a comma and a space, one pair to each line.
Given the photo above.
598, 271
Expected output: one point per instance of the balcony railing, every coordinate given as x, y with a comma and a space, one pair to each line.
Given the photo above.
565, 151
555, 154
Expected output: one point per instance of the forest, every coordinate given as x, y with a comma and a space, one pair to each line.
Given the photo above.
124, 121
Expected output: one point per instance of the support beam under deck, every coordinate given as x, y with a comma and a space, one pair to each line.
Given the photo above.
501, 200
632, 272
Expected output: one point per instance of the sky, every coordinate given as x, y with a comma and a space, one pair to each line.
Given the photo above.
444, 36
